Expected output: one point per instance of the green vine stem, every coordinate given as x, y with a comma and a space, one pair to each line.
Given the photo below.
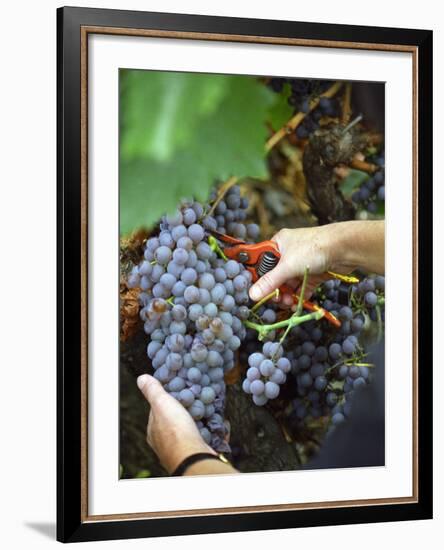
257, 305
289, 323
214, 245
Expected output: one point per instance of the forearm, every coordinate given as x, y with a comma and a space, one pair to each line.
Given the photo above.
360, 244
207, 467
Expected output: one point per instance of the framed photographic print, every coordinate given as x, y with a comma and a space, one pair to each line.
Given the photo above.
244, 274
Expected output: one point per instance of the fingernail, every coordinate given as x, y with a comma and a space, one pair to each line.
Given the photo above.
141, 381
254, 293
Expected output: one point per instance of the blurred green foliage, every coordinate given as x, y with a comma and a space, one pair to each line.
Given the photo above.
182, 132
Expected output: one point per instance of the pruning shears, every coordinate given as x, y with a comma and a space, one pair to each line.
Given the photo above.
260, 258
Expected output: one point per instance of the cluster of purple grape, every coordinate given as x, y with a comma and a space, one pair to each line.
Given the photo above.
267, 370
302, 91
371, 193
321, 364
192, 303
229, 215
328, 364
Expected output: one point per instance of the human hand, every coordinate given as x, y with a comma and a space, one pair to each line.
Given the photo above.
312, 247
171, 432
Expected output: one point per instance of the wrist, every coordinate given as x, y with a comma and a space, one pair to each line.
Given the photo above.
343, 253
180, 452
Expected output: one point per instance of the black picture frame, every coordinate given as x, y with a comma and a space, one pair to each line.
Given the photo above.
71, 524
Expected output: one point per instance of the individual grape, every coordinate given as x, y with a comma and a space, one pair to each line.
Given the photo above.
194, 375
176, 342
186, 243
197, 409
335, 350
278, 376
320, 383
196, 233
145, 268
269, 316
308, 348
267, 367
199, 352
255, 360
214, 359
191, 294
152, 348
189, 216
207, 395
157, 273
174, 361
203, 251
163, 255
179, 313
246, 386
218, 293
284, 364
202, 322
178, 327
271, 390
232, 269
220, 275
240, 283
180, 256
253, 231
195, 311
257, 387
206, 280
216, 374
348, 346
204, 297
177, 384
168, 280
381, 193
259, 400
175, 218
178, 232
210, 310
188, 276
371, 299
178, 289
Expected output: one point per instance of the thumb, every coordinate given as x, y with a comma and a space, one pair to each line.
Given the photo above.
269, 282
150, 387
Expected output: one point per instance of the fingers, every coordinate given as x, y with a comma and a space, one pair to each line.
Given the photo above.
150, 387
269, 282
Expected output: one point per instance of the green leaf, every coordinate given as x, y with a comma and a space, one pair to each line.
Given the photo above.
229, 142
161, 110
352, 181
280, 111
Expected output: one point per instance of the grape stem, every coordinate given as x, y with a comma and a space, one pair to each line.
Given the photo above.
214, 245
222, 191
274, 294
289, 323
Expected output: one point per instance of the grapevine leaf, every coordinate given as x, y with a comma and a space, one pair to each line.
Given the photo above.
229, 142
160, 111
280, 111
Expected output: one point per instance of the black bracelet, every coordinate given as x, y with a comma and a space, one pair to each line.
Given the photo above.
187, 462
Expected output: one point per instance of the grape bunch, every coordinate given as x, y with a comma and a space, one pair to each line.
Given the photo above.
371, 193
320, 365
229, 215
267, 371
192, 303
302, 91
